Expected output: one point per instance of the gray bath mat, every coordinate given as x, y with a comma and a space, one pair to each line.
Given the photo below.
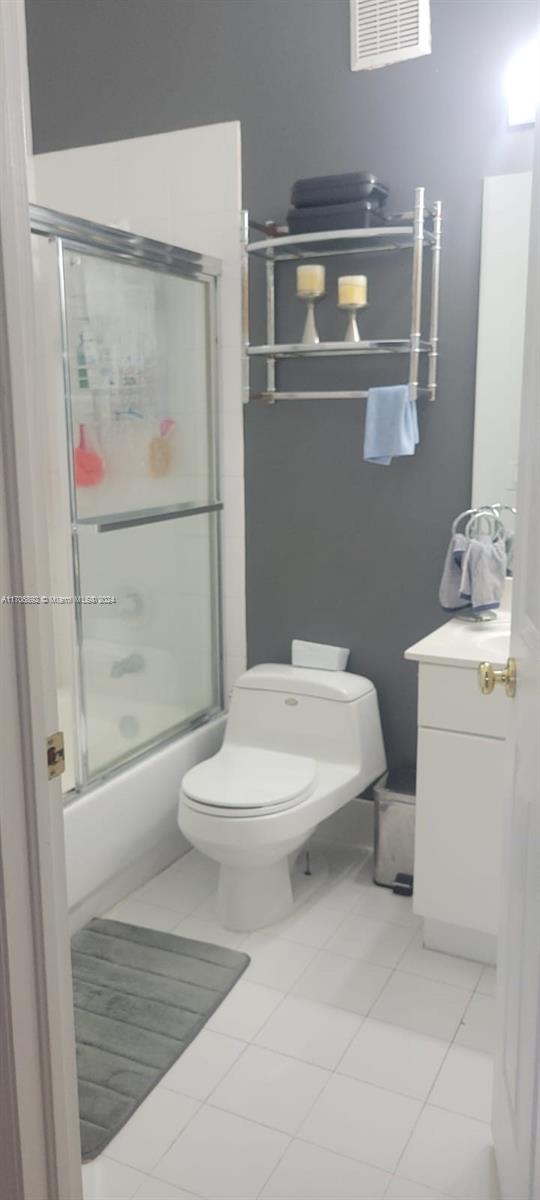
140, 998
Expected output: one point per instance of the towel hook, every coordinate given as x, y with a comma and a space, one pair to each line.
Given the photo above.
468, 513
486, 512
493, 526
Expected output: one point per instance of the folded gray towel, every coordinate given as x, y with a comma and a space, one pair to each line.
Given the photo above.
450, 596
483, 573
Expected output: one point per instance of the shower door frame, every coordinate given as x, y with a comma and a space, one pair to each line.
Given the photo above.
78, 235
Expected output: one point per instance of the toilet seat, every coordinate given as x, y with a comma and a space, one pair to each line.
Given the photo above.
241, 781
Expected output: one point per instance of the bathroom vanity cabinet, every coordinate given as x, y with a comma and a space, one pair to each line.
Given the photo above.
462, 764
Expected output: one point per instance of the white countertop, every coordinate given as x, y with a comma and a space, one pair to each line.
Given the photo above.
465, 643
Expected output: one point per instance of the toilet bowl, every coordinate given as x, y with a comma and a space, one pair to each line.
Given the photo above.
299, 744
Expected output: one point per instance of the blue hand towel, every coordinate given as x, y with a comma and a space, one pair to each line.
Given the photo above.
391, 424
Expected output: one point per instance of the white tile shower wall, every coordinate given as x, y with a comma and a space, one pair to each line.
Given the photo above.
185, 188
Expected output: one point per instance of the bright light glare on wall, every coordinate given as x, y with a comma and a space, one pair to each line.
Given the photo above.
522, 84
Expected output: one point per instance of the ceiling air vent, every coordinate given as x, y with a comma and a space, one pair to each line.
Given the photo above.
388, 31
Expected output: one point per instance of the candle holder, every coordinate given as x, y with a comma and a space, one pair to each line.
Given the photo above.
352, 333
310, 285
310, 335
352, 295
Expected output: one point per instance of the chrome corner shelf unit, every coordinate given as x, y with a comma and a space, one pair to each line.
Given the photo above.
413, 237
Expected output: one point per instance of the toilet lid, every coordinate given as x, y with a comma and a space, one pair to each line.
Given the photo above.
249, 780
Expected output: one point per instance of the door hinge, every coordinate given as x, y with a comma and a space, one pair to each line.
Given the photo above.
55, 754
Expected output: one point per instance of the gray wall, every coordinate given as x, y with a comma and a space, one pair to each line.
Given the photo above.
338, 550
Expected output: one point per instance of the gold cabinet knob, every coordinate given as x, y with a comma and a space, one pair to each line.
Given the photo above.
488, 677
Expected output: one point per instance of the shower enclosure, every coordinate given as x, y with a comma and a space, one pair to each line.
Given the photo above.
128, 345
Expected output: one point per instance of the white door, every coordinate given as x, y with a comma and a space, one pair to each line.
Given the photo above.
516, 1102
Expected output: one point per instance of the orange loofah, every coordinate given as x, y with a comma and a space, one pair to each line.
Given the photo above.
159, 457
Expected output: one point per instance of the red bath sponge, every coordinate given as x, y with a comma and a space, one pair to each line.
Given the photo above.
89, 467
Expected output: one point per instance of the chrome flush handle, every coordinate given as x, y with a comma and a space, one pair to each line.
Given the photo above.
488, 677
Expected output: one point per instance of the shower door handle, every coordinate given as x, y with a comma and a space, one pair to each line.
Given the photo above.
110, 522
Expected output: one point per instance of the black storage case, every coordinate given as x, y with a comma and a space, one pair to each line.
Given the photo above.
360, 215
322, 190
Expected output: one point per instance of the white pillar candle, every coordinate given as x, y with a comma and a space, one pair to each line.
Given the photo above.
310, 280
352, 289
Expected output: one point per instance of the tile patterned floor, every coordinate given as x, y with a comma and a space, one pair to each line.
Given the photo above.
348, 1063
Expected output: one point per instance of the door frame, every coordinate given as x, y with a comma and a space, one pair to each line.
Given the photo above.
38, 1110
38, 1107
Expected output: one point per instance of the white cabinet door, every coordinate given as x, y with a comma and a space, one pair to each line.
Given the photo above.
449, 698
458, 828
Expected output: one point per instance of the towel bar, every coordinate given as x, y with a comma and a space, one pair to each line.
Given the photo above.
271, 397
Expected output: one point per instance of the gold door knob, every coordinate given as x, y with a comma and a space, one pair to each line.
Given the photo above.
488, 677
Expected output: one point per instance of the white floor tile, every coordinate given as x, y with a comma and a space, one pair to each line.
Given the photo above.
270, 1088
198, 866
465, 1083
378, 942
104, 1179
202, 1066
380, 902
310, 1173
311, 926
336, 954
157, 1189
222, 1157
353, 862
275, 962
207, 910
394, 1058
423, 1005
479, 1025
149, 916
404, 1189
342, 892
181, 887
315, 1033
487, 982
345, 861
244, 1010
452, 1153
361, 1121
151, 1129
209, 931
445, 968
342, 981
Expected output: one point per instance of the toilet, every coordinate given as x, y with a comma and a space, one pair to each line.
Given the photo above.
299, 744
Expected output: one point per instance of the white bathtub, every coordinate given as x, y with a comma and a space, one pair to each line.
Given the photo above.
121, 832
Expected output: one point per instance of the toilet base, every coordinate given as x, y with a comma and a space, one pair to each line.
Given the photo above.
251, 898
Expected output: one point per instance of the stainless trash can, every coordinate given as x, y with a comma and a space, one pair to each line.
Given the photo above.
395, 797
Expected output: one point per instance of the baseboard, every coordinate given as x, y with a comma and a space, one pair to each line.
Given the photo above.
464, 943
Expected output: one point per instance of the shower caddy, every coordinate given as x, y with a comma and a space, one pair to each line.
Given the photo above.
333, 243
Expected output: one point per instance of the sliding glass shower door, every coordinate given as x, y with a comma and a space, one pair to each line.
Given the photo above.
139, 365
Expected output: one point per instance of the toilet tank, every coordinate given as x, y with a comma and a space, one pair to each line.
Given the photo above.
327, 715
